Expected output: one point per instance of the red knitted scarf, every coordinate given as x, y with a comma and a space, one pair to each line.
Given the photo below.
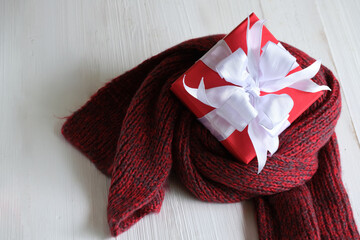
136, 131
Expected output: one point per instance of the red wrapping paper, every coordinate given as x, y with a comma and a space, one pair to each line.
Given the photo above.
238, 143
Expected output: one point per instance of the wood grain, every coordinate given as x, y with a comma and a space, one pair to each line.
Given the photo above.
341, 24
55, 54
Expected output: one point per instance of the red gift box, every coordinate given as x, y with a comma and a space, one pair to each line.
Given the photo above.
238, 143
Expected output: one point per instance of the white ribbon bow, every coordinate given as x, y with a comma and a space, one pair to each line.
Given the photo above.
240, 105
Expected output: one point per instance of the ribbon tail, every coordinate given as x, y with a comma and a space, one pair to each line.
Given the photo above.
191, 91
273, 145
201, 94
300, 80
198, 93
256, 135
307, 85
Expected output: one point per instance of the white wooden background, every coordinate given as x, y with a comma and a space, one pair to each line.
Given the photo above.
54, 54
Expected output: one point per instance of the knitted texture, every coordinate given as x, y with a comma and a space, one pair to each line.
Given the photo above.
136, 131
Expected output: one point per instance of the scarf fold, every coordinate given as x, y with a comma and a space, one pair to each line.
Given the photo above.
136, 131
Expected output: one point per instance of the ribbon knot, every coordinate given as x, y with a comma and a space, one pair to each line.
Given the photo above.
240, 105
253, 91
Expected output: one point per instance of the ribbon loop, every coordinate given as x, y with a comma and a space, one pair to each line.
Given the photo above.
233, 68
275, 62
238, 110
275, 109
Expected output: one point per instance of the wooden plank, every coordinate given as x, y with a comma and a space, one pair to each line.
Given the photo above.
341, 24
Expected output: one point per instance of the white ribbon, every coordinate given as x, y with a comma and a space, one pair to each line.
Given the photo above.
240, 105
